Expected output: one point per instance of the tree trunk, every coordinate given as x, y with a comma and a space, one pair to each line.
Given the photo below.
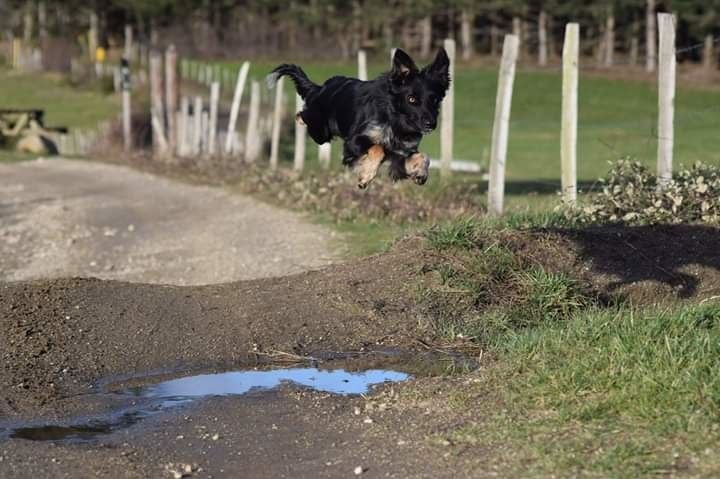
42, 21
28, 26
600, 44
425, 36
634, 43
542, 39
609, 38
650, 37
709, 60
494, 34
467, 21
93, 35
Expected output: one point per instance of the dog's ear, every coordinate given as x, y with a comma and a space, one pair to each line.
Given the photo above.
439, 69
403, 67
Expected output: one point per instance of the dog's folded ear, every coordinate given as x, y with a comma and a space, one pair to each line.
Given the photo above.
403, 67
439, 69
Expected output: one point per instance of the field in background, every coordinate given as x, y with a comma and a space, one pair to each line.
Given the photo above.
616, 118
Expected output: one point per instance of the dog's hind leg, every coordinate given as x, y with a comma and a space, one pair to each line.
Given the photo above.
367, 165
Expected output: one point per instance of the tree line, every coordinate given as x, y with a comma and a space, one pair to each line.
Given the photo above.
616, 31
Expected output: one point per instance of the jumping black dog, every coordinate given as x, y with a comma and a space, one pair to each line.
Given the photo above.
381, 119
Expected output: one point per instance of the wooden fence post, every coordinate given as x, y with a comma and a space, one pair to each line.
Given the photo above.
126, 104
235, 108
252, 133
197, 126
362, 65
325, 155
300, 132
503, 103
276, 126
214, 102
542, 39
568, 137
156, 99
171, 94
128, 43
666, 97
447, 115
184, 129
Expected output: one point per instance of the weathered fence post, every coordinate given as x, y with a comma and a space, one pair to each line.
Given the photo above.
276, 127
503, 103
666, 97
156, 100
300, 132
568, 136
128, 43
197, 126
447, 115
235, 108
214, 102
542, 39
171, 94
325, 155
184, 129
126, 104
362, 65
252, 133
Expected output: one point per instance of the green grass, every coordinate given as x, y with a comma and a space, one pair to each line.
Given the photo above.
613, 393
63, 104
586, 388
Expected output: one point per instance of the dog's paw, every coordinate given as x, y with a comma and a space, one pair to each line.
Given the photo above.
417, 167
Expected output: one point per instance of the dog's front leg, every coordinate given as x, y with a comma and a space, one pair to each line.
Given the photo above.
367, 165
417, 167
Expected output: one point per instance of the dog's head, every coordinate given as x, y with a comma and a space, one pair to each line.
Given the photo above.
416, 94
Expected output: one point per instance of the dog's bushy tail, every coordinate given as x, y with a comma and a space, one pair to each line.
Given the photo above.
303, 84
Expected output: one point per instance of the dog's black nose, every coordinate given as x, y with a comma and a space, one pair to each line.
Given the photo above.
429, 124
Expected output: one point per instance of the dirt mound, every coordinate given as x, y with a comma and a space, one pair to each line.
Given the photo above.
61, 336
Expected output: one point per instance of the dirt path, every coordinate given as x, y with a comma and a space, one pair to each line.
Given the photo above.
61, 218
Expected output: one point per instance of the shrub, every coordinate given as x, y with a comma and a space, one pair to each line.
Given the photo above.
631, 194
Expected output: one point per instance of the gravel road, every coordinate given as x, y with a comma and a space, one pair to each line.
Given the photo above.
62, 218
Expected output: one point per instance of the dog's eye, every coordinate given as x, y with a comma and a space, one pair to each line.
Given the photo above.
412, 99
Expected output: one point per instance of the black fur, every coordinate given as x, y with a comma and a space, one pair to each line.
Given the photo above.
394, 110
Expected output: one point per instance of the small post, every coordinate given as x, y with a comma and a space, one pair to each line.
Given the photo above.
542, 39
128, 42
93, 36
214, 101
392, 56
156, 98
325, 155
184, 130
503, 103
197, 126
568, 137
235, 108
666, 97
447, 115
300, 132
205, 131
362, 65
171, 94
252, 133
276, 126
126, 104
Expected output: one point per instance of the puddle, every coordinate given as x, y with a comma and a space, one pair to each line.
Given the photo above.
155, 398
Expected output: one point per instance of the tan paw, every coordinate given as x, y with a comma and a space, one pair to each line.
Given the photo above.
417, 167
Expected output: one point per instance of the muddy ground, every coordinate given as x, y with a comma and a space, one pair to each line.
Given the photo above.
65, 339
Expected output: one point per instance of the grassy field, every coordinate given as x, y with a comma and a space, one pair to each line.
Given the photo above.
617, 118
63, 104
